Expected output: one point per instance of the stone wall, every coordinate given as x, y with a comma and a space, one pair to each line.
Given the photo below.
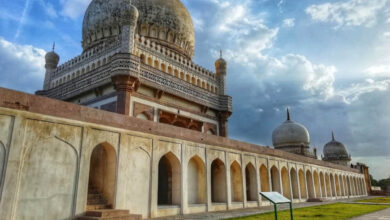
46, 153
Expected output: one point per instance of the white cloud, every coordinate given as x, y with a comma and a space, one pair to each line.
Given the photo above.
347, 13
378, 71
22, 66
74, 8
289, 22
353, 92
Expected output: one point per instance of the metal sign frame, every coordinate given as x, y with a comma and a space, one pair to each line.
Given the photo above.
276, 203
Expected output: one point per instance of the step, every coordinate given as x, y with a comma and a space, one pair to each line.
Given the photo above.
98, 207
127, 217
107, 213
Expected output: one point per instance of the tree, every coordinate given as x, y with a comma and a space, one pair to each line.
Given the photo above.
374, 182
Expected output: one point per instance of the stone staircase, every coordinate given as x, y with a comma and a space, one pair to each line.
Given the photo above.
109, 214
96, 200
99, 209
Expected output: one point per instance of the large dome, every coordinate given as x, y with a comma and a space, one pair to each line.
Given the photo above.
104, 18
335, 150
168, 22
165, 21
290, 133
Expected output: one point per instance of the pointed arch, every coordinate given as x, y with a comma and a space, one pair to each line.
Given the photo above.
294, 183
169, 180
322, 180
251, 182
309, 183
286, 183
317, 184
196, 181
236, 182
302, 184
275, 179
327, 182
264, 178
218, 181
102, 172
333, 188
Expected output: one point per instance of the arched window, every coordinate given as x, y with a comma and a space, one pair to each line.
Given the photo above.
251, 183
169, 180
275, 179
294, 183
309, 183
302, 184
285, 183
236, 182
264, 178
218, 181
196, 181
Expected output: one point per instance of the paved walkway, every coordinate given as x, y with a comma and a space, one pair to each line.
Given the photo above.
253, 211
380, 215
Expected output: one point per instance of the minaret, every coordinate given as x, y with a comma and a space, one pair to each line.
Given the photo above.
220, 69
52, 60
126, 80
129, 25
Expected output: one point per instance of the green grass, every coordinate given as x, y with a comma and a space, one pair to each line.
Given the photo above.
376, 200
337, 211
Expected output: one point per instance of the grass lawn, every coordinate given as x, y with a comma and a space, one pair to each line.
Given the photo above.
337, 211
376, 200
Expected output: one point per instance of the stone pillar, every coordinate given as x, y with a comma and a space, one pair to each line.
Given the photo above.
299, 183
125, 85
258, 180
334, 189
223, 123
326, 190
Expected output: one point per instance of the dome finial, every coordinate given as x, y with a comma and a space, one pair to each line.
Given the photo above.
220, 54
288, 114
333, 139
54, 46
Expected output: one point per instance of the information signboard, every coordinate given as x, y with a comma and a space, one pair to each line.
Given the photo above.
276, 198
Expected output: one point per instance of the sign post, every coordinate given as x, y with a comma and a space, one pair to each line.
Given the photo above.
276, 198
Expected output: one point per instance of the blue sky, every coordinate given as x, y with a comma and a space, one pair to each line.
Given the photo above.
328, 60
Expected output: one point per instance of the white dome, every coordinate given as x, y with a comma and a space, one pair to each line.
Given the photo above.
290, 133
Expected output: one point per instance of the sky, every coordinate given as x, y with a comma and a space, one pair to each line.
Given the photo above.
326, 60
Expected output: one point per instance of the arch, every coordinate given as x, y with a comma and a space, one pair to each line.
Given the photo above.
156, 64
102, 172
309, 183
196, 181
275, 180
302, 184
349, 186
176, 73
317, 184
169, 180
218, 181
142, 58
236, 182
188, 78
170, 70
250, 182
346, 186
327, 182
332, 185
337, 185
322, 180
294, 183
150, 61
264, 178
342, 192
286, 183
163, 68
182, 75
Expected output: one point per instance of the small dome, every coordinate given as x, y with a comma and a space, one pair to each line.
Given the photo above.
220, 65
335, 150
290, 133
52, 59
103, 20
